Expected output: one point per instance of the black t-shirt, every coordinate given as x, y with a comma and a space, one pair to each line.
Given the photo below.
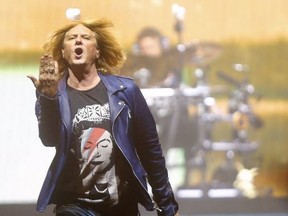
89, 176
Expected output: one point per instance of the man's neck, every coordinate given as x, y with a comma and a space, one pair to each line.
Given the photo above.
83, 80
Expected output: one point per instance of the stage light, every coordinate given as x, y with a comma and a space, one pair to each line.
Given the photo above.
73, 13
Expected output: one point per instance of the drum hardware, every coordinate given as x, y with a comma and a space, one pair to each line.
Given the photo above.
205, 120
242, 117
167, 104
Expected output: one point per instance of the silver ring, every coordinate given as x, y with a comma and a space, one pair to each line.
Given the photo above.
51, 70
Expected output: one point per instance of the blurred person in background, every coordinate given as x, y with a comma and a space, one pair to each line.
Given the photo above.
104, 134
151, 62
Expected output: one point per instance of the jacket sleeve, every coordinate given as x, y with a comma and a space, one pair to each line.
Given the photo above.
48, 116
151, 155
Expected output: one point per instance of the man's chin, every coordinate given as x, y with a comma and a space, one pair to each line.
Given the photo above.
78, 62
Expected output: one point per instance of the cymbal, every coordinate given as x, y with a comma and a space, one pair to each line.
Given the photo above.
201, 53
196, 53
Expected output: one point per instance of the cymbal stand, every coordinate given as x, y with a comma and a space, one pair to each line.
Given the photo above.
178, 101
179, 13
205, 120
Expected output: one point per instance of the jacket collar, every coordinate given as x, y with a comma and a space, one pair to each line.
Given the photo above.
112, 83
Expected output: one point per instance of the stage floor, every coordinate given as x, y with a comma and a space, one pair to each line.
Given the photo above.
191, 206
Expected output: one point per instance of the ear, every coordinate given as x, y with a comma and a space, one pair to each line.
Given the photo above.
62, 50
97, 52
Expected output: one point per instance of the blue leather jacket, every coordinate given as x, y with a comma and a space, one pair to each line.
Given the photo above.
134, 132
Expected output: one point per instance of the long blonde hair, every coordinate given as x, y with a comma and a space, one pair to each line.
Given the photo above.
112, 54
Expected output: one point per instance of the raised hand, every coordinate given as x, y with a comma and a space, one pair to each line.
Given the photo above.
47, 82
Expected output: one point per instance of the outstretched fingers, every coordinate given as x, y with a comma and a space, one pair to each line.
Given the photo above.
46, 65
48, 76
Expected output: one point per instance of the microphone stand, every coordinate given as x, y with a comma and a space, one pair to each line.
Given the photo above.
175, 119
178, 27
178, 99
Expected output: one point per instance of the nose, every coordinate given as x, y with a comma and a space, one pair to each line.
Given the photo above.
78, 40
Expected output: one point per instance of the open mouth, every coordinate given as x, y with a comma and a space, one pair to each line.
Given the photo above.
78, 52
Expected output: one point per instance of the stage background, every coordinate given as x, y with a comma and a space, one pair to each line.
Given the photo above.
251, 32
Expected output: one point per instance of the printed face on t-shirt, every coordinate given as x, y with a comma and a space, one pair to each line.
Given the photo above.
96, 147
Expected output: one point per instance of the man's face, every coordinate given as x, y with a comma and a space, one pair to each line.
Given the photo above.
150, 46
80, 46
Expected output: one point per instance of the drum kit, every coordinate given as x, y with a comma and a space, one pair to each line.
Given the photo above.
171, 102
170, 105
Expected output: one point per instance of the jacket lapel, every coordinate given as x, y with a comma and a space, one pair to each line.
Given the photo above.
113, 86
